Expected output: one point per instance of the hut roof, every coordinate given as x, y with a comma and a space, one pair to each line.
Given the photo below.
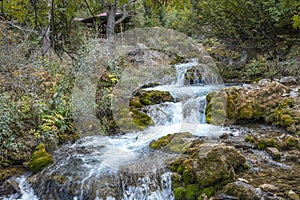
102, 17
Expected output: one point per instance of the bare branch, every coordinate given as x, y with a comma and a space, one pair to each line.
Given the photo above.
12, 24
125, 14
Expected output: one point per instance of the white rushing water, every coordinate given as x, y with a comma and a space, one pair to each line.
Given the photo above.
123, 167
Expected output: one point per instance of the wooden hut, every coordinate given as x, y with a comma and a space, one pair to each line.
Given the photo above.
100, 20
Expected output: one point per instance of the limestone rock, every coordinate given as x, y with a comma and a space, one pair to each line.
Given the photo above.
268, 187
242, 191
292, 195
205, 165
267, 102
274, 153
288, 80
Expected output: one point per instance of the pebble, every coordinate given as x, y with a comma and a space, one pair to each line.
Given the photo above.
268, 187
292, 195
274, 153
282, 136
243, 180
224, 136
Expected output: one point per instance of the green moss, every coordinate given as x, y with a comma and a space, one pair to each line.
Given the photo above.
38, 164
209, 191
176, 180
187, 176
216, 108
286, 120
133, 119
192, 192
258, 111
179, 193
175, 164
154, 97
180, 169
145, 100
141, 119
162, 142
40, 159
245, 112
216, 117
290, 142
135, 102
264, 143
250, 138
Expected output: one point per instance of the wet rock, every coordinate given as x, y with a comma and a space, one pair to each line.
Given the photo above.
274, 153
8, 187
268, 187
177, 142
291, 194
150, 97
224, 136
242, 191
292, 156
206, 167
288, 80
225, 197
263, 102
264, 82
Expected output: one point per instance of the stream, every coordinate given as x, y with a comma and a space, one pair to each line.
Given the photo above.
124, 167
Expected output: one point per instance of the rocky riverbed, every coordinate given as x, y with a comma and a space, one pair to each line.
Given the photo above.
232, 166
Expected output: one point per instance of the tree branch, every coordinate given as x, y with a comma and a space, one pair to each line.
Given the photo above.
124, 11
125, 14
89, 8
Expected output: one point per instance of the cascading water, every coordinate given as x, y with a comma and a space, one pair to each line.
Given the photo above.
124, 167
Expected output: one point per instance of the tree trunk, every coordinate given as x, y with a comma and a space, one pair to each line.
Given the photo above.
111, 21
46, 43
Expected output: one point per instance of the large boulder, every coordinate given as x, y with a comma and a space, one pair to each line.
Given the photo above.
203, 168
264, 102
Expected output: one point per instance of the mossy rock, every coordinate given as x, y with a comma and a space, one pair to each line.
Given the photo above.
133, 119
40, 159
250, 138
179, 193
173, 142
288, 143
216, 108
291, 142
6, 173
264, 143
241, 190
245, 111
207, 169
141, 119
192, 192
135, 102
151, 97
265, 104
209, 192
162, 142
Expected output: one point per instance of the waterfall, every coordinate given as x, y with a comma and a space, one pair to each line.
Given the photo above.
123, 167
181, 70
